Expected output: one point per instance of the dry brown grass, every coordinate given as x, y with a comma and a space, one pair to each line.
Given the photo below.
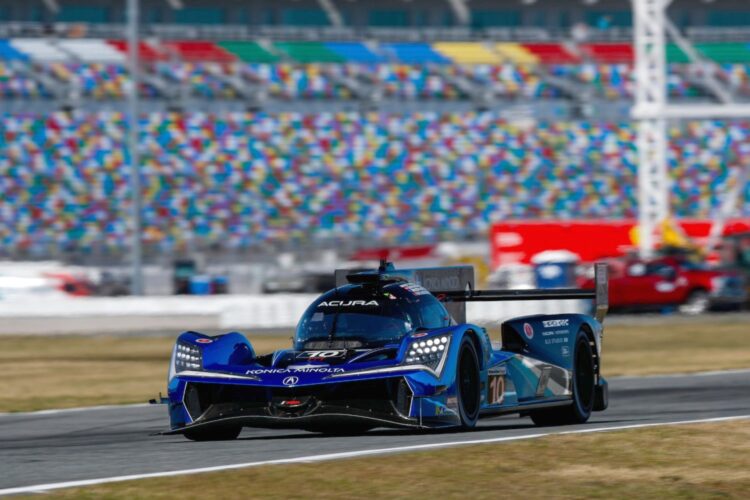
658, 348
695, 461
60, 372
69, 371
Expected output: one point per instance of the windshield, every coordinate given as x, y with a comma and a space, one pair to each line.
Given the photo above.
381, 323
370, 317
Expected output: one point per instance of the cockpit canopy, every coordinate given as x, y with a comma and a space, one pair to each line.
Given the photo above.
369, 315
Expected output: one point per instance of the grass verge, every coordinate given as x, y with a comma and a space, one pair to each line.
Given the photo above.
60, 372
652, 349
65, 372
691, 461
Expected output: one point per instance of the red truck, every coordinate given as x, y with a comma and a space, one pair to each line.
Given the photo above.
692, 288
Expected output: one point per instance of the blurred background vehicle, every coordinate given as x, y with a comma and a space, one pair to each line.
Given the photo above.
735, 254
28, 278
659, 284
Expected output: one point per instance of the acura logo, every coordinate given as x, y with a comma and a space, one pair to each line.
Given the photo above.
290, 380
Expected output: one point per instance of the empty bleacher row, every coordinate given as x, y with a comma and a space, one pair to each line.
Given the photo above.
235, 180
96, 69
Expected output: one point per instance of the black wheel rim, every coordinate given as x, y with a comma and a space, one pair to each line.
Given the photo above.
584, 375
469, 384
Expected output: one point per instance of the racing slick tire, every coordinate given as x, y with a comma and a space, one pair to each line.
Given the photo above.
220, 434
696, 303
467, 384
584, 380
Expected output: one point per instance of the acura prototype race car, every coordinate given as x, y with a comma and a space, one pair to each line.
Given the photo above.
392, 348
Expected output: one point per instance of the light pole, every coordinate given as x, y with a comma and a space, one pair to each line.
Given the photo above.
133, 126
652, 110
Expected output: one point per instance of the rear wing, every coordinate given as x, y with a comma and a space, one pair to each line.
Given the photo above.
599, 294
455, 286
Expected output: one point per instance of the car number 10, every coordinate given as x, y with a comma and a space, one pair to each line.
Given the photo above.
496, 389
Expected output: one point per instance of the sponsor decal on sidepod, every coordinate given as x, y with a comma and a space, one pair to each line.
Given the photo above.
553, 323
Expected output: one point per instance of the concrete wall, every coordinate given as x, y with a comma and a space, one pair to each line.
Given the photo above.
108, 315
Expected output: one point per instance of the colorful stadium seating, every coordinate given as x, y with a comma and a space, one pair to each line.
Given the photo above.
396, 80
296, 81
309, 52
609, 53
96, 50
191, 51
91, 50
9, 53
516, 53
468, 52
15, 84
39, 49
249, 51
414, 53
233, 180
146, 51
725, 52
552, 53
356, 52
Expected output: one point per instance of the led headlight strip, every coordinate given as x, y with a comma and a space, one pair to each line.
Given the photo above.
428, 352
427, 355
187, 357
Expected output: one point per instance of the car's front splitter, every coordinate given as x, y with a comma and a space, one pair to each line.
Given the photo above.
322, 416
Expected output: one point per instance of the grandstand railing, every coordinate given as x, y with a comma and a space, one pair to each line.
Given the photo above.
245, 32
248, 32
715, 34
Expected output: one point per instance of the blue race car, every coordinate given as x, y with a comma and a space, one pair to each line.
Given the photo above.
392, 348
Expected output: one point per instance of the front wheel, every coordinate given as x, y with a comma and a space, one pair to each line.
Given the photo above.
467, 384
584, 380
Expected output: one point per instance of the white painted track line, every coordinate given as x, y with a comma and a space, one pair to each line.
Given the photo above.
38, 488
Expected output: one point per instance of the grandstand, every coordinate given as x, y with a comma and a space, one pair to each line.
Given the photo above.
264, 127
238, 180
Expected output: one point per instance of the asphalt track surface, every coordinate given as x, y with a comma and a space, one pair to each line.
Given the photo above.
61, 446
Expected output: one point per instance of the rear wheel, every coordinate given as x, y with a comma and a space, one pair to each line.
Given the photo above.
467, 384
584, 380
220, 434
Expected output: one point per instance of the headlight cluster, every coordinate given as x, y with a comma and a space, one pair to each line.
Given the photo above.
428, 352
187, 357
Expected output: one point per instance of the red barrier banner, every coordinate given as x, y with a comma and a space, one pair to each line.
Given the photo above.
516, 242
